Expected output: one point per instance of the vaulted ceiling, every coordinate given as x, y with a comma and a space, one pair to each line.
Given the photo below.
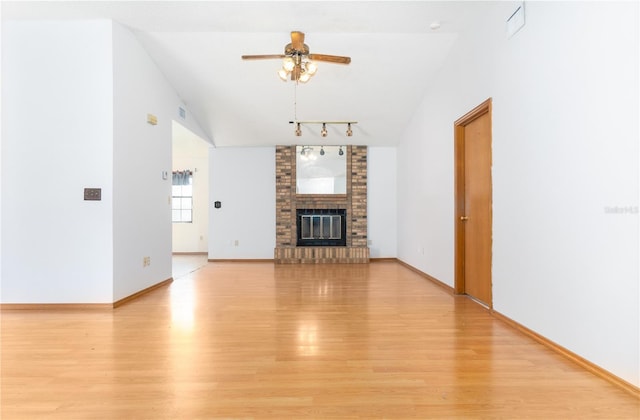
197, 45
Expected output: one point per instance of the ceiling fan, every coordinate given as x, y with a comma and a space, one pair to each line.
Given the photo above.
296, 65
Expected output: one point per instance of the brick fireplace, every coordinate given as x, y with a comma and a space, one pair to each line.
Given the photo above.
290, 205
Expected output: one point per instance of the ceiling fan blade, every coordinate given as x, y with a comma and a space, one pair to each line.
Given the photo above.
263, 57
330, 58
297, 40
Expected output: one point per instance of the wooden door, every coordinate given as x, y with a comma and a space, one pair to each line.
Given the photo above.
474, 204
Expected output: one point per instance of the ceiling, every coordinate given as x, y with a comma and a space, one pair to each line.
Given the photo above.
197, 45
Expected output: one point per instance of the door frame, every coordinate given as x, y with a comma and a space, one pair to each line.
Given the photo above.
459, 191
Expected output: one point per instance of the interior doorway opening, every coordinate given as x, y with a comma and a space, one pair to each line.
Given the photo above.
190, 192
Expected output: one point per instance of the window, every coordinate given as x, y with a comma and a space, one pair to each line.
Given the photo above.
182, 197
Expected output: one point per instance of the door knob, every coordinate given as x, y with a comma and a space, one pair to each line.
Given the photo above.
464, 218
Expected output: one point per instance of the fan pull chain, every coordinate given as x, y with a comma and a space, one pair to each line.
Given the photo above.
295, 101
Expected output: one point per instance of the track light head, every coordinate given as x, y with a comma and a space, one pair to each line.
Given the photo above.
324, 132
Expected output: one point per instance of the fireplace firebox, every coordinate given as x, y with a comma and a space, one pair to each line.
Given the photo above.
321, 227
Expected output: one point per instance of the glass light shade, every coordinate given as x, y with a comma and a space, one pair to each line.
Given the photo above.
288, 64
304, 77
312, 68
284, 75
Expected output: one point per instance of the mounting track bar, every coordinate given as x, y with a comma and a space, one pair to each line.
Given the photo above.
323, 122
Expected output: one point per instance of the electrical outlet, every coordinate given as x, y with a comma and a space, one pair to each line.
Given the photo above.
146, 261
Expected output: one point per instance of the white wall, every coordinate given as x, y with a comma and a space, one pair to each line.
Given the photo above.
191, 152
75, 100
382, 202
565, 151
142, 198
243, 180
1, 135
56, 140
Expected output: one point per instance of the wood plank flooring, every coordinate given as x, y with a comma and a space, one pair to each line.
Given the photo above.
265, 341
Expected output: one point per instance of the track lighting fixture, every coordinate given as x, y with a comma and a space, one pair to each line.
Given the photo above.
321, 150
340, 151
323, 132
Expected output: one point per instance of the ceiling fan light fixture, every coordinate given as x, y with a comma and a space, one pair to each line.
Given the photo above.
324, 132
296, 60
283, 74
307, 153
304, 78
311, 68
288, 64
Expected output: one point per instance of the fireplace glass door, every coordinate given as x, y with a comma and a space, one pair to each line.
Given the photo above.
321, 228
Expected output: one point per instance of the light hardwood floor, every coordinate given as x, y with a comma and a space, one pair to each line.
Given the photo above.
258, 340
184, 264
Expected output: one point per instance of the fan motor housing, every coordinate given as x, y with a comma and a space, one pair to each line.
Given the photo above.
289, 50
